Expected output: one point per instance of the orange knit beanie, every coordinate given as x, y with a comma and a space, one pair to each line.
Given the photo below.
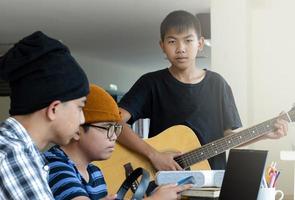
100, 106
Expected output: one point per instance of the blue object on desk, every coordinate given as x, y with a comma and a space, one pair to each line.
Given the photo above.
187, 180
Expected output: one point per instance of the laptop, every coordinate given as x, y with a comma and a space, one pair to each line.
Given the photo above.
243, 174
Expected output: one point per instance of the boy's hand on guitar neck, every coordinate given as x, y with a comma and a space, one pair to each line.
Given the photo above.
164, 161
281, 129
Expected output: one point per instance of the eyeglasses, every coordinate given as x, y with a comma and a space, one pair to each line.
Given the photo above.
110, 128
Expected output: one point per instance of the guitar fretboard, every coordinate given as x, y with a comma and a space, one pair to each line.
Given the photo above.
221, 145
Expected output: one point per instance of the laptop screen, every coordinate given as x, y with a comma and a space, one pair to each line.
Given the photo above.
243, 174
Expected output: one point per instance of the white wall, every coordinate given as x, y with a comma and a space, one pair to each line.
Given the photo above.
273, 47
229, 48
253, 46
104, 73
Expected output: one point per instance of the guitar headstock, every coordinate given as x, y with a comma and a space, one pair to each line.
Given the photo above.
291, 114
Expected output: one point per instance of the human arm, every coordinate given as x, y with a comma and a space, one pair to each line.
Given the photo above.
168, 192
231, 117
128, 138
229, 110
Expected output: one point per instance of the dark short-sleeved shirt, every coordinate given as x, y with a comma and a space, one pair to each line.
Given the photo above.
207, 107
66, 182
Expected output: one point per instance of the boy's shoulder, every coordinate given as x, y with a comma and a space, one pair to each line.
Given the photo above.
214, 76
6, 147
150, 78
55, 154
94, 168
9, 143
11, 148
57, 160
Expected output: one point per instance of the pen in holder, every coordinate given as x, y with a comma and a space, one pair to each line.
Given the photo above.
271, 176
267, 190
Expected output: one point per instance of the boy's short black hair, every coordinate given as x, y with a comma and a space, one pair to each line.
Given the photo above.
180, 20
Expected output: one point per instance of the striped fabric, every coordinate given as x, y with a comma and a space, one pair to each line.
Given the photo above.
66, 182
23, 173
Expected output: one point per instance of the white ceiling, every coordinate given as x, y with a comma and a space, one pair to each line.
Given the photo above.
125, 31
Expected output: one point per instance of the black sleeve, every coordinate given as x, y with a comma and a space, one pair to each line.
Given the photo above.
137, 100
231, 118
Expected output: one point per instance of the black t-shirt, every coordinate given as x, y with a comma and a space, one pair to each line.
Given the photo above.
207, 107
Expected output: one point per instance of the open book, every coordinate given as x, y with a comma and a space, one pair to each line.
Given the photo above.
202, 192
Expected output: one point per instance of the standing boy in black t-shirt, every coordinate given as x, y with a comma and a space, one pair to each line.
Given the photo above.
182, 94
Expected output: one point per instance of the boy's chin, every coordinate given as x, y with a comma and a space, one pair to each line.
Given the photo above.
105, 157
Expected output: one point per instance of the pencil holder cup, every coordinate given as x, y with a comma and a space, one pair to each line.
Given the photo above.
270, 194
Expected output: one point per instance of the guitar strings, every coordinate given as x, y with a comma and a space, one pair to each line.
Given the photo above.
211, 149
188, 157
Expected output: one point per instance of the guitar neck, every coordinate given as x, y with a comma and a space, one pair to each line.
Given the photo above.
221, 145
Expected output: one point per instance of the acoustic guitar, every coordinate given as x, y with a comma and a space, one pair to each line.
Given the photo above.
181, 138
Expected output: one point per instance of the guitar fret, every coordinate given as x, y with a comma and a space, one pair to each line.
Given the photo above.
185, 162
214, 148
291, 116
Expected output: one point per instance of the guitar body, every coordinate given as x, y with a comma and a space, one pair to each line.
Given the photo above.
183, 139
176, 138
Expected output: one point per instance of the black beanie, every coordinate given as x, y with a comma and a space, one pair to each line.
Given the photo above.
40, 70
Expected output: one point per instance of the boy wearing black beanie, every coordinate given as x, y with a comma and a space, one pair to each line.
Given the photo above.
48, 92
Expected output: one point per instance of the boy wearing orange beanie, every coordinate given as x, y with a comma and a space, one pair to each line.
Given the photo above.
71, 174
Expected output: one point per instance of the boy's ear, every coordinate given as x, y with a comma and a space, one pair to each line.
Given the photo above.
52, 109
201, 43
161, 45
77, 135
